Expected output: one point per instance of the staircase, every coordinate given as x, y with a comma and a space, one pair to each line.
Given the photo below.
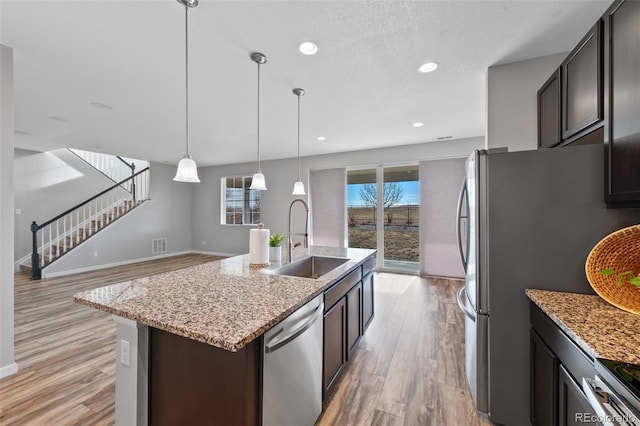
56, 237
114, 167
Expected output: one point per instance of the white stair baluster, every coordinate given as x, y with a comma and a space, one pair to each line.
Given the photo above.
42, 248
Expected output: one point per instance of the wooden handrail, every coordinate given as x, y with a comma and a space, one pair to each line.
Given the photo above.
61, 215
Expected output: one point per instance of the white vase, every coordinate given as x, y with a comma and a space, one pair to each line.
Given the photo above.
275, 254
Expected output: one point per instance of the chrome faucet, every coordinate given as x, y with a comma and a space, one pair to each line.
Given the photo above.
290, 245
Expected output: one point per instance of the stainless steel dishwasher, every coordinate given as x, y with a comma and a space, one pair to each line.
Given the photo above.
292, 373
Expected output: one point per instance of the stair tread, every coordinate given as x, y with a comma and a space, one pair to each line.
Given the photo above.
77, 236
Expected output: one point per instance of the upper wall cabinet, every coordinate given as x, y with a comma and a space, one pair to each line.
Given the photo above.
549, 112
570, 103
582, 93
622, 111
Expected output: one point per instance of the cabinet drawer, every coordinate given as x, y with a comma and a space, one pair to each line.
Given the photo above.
341, 288
368, 266
577, 363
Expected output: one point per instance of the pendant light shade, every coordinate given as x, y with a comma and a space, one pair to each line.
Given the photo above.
258, 182
298, 187
187, 169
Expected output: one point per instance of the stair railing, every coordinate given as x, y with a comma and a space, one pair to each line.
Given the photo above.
113, 167
68, 229
132, 167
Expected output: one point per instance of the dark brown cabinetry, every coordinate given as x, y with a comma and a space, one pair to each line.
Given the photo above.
354, 317
582, 93
367, 301
549, 112
622, 129
544, 368
573, 407
334, 342
194, 383
348, 312
557, 366
571, 101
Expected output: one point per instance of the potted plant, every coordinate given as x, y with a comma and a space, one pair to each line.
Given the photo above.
275, 248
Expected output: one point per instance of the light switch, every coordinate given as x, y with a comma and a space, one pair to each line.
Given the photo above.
18, 211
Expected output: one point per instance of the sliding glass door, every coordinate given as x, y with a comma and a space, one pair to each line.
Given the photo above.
383, 212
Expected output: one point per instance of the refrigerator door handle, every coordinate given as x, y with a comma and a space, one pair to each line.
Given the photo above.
461, 302
461, 198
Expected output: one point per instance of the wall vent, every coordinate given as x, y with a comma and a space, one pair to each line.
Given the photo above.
158, 245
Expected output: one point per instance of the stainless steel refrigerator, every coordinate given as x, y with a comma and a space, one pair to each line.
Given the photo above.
526, 219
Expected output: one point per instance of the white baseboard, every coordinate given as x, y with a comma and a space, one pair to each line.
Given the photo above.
8, 370
110, 265
23, 259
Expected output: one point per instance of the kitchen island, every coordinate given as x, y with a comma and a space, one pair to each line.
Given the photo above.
191, 339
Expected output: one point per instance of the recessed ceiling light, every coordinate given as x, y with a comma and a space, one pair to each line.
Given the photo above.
101, 105
56, 118
428, 67
308, 48
21, 132
418, 124
321, 138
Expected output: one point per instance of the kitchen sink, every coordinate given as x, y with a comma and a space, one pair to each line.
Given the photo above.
309, 267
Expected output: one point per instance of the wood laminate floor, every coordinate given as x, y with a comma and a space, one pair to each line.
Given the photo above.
407, 370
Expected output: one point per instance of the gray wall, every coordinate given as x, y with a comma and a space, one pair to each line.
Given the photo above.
7, 361
47, 184
512, 101
440, 183
280, 176
328, 207
168, 214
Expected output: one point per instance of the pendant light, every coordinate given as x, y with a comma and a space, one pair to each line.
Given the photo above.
298, 187
187, 169
258, 182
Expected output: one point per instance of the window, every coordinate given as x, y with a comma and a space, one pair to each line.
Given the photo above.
240, 205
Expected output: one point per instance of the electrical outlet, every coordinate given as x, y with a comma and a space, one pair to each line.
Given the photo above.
204, 242
125, 352
95, 254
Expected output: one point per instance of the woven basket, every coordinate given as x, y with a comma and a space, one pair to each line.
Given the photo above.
619, 250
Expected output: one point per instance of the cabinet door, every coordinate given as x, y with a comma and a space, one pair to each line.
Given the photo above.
334, 343
354, 317
549, 115
622, 135
582, 84
367, 301
573, 407
543, 379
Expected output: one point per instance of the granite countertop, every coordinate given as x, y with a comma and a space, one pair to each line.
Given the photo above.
224, 303
600, 329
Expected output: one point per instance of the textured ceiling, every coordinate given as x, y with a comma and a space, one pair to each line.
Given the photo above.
363, 88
